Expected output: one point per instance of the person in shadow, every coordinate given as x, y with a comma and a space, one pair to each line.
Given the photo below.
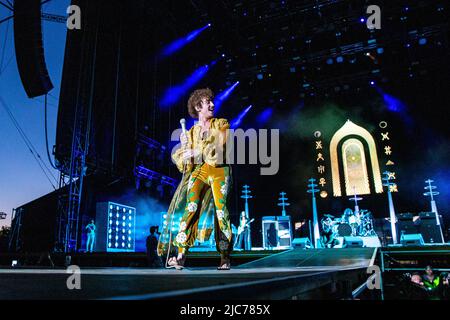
154, 261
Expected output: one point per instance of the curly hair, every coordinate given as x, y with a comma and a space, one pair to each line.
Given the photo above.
195, 100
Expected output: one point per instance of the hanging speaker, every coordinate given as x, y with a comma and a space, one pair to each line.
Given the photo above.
29, 49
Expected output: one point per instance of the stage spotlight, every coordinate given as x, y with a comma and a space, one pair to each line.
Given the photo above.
422, 41
259, 76
372, 83
339, 59
180, 43
264, 116
224, 96
329, 61
175, 93
380, 50
362, 20
237, 121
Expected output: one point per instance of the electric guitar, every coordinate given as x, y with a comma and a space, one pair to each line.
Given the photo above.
242, 228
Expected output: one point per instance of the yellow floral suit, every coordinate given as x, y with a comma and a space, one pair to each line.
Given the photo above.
206, 185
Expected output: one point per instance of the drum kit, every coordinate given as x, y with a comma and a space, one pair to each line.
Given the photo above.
355, 224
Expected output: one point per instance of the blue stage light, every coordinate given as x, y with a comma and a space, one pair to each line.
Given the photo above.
237, 121
181, 42
329, 61
422, 41
393, 104
362, 20
175, 93
264, 116
339, 59
259, 76
372, 83
220, 98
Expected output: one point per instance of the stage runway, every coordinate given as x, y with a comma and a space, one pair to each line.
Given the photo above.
300, 274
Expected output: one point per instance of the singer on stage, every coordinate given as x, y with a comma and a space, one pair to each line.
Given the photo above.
204, 187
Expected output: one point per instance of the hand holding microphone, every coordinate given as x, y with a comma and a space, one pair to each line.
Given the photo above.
183, 136
187, 153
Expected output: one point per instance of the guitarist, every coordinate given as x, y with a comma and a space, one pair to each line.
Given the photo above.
242, 231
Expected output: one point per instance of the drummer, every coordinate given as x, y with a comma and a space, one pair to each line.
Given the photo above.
347, 214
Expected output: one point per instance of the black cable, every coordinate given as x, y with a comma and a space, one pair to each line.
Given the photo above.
4, 47
29, 145
46, 134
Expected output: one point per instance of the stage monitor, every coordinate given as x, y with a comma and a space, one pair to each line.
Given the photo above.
304, 243
352, 242
407, 216
411, 240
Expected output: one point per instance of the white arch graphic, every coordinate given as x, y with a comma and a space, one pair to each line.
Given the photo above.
349, 128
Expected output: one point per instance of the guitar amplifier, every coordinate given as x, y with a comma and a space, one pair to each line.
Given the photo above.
277, 232
427, 216
431, 233
407, 216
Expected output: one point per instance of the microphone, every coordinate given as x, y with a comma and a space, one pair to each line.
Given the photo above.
183, 125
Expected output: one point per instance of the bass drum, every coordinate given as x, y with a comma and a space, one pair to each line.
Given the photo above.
344, 230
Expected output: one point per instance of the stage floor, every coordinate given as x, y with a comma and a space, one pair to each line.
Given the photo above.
279, 276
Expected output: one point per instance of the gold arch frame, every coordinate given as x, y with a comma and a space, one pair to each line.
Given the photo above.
349, 128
